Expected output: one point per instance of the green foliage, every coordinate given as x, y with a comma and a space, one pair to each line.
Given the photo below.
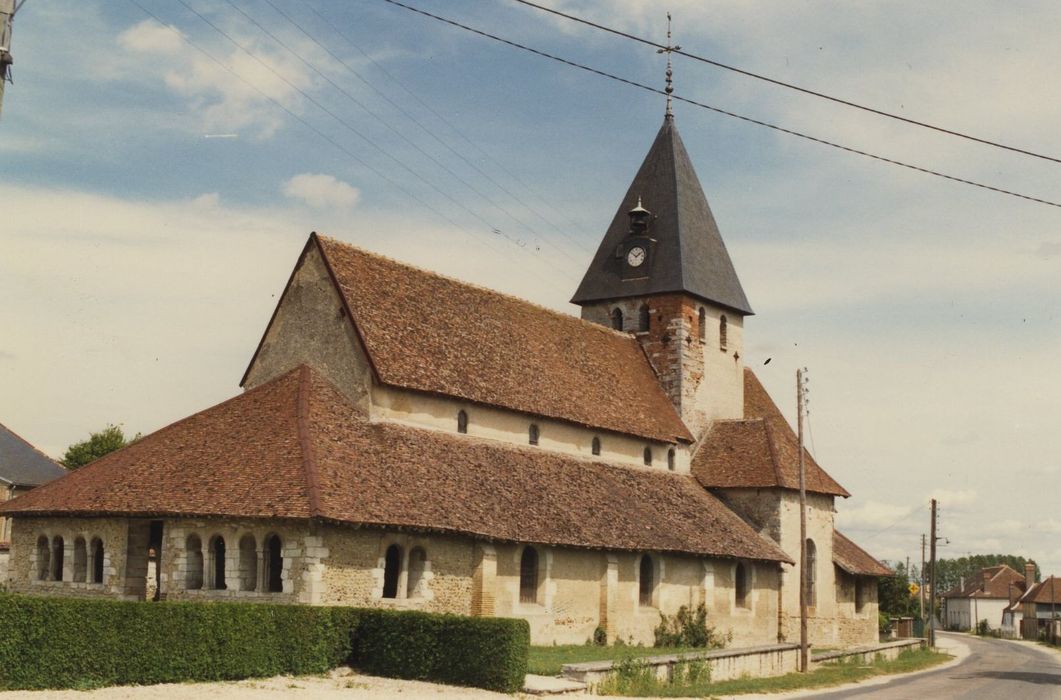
600, 637
893, 593
98, 444
547, 660
75, 643
884, 622
482, 652
687, 629
983, 627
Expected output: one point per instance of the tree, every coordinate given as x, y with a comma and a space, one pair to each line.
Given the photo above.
893, 593
98, 444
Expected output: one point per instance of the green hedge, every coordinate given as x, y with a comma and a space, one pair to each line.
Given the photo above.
73, 643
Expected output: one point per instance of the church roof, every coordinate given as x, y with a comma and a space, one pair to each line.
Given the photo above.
430, 333
760, 451
855, 560
21, 464
690, 255
295, 448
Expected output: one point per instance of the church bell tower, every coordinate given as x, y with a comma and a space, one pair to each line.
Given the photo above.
662, 272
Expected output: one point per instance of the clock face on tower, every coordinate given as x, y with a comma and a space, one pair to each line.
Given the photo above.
635, 257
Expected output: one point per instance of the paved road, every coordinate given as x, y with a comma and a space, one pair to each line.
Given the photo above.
994, 670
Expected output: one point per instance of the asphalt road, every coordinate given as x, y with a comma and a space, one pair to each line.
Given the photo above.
994, 670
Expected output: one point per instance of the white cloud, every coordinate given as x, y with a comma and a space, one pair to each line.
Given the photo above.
947, 498
322, 191
872, 514
151, 37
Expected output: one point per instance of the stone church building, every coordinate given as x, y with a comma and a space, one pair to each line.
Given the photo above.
409, 441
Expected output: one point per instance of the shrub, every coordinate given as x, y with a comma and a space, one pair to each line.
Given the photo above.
983, 627
600, 637
77, 643
687, 629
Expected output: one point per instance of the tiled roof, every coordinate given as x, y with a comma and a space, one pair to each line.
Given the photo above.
855, 560
430, 333
295, 448
760, 451
21, 464
1002, 582
1046, 591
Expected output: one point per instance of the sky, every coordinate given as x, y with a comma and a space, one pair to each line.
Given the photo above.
162, 164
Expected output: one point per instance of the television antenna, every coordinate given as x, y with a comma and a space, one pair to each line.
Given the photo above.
8, 10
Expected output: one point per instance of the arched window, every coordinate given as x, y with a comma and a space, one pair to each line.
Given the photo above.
58, 554
617, 319
648, 456
80, 560
193, 573
274, 564
528, 576
742, 585
646, 582
670, 459
462, 421
248, 563
44, 558
217, 563
642, 318
392, 568
702, 328
96, 552
417, 566
596, 445
812, 567
722, 327
532, 434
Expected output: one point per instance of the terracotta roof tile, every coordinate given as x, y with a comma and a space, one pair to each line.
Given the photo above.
759, 451
430, 333
1046, 591
295, 448
1002, 582
855, 560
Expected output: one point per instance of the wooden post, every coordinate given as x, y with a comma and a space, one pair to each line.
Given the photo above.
804, 651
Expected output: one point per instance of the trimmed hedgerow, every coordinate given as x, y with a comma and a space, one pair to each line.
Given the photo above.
482, 652
78, 643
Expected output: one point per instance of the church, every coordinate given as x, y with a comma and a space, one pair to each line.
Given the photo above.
482, 455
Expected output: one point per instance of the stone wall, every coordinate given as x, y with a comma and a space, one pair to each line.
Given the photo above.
311, 326
31, 567
703, 376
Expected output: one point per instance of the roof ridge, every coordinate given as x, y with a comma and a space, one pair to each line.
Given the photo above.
309, 461
474, 285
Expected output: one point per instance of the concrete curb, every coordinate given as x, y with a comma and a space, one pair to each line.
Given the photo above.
947, 644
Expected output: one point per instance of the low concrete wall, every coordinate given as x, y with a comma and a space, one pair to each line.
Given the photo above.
867, 654
725, 664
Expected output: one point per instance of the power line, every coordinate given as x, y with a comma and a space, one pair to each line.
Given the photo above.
320, 133
394, 80
376, 116
718, 110
790, 86
347, 125
902, 518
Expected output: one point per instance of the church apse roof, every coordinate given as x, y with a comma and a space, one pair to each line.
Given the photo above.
690, 254
760, 451
426, 332
855, 560
295, 448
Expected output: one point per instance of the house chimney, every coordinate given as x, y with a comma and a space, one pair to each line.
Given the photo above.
1029, 575
987, 579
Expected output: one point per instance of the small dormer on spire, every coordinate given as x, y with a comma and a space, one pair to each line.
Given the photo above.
669, 89
639, 218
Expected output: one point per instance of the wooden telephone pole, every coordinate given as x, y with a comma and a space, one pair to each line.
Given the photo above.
921, 596
804, 648
932, 585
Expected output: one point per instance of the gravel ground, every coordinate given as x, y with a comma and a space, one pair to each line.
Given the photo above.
339, 684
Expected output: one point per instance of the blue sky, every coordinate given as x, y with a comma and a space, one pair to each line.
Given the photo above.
153, 204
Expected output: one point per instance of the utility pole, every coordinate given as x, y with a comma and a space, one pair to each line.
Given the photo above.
801, 397
921, 596
932, 581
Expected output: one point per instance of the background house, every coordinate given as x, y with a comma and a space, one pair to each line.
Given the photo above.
986, 597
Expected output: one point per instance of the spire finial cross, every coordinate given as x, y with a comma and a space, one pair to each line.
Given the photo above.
669, 49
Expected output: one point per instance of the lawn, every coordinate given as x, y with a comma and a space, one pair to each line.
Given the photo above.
547, 660
692, 681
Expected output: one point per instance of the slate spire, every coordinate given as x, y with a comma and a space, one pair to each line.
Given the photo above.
687, 252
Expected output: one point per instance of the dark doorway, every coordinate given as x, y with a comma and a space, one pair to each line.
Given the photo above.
275, 559
217, 553
154, 545
392, 566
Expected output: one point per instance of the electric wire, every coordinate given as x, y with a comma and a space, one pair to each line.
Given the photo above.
394, 80
750, 120
790, 86
386, 123
902, 518
347, 125
339, 146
